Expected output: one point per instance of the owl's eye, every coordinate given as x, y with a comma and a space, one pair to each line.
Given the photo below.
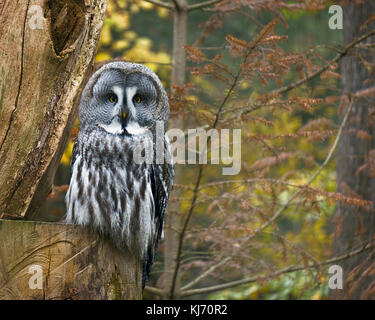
112, 98
137, 98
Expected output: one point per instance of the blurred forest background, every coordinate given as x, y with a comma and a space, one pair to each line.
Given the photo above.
256, 66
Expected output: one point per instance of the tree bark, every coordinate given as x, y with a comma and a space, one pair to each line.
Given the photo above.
173, 218
71, 262
46, 51
356, 225
180, 19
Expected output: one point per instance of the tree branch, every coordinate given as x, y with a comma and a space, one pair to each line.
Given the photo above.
196, 189
342, 53
160, 4
206, 273
283, 208
182, 233
289, 269
202, 5
155, 291
153, 62
253, 180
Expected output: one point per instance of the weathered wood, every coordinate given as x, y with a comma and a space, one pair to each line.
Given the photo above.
46, 52
76, 264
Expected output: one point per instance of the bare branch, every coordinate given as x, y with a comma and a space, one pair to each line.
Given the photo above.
200, 173
160, 4
298, 83
153, 62
254, 180
202, 5
182, 233
155, 291
206, 273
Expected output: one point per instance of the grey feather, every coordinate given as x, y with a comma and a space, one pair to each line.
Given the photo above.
109, 192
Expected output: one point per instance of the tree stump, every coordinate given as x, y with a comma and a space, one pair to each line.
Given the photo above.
40, 260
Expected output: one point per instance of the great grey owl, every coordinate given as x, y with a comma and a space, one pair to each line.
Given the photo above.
115, 188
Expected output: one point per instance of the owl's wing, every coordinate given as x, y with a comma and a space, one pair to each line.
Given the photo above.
161, 184
74, 153
161, 177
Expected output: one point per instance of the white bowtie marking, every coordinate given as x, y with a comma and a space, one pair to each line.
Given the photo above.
132, 126
115, 126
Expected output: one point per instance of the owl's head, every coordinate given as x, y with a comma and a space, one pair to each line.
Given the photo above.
123, 98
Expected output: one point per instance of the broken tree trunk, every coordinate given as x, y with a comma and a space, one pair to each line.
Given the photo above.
46, 52
47, 49
40, 260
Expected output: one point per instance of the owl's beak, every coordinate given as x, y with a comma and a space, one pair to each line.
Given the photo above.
124, 116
